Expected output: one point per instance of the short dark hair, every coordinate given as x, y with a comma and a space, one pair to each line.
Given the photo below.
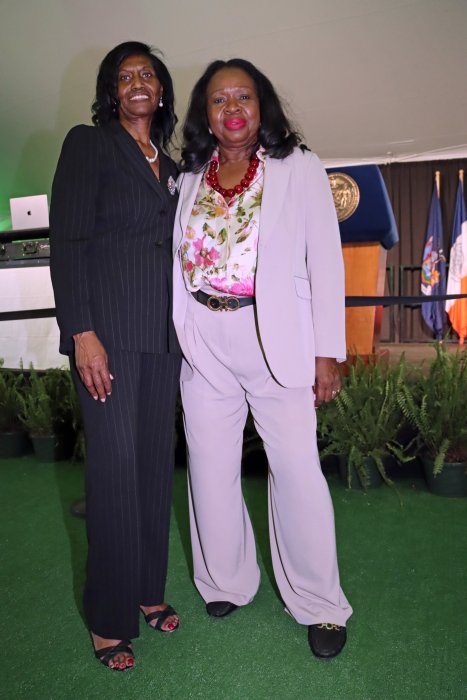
104, 108
276, 133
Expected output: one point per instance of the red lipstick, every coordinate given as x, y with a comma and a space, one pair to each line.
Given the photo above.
235, 123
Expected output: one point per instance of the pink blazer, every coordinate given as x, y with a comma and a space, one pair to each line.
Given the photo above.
300, 296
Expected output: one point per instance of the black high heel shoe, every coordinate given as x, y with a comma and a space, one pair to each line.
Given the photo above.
107, 654
160, 616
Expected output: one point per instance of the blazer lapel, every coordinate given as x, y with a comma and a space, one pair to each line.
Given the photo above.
276, 180
188, 184
132, 151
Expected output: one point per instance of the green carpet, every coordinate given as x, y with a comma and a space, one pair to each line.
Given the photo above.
403, 569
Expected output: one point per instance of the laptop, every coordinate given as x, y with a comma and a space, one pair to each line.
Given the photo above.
29, 212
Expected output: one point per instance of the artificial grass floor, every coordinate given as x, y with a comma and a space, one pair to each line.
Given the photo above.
403, 569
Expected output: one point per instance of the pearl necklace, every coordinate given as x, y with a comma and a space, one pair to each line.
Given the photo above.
211, 179
156, 153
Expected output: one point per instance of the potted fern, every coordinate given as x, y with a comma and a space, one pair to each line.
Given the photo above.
77, 427
325, 422
436, 407
13, 439
46, 413
366, 423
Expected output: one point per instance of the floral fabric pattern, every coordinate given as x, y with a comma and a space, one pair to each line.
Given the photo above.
220, 246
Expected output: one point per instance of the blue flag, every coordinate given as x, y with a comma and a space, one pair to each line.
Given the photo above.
434, 269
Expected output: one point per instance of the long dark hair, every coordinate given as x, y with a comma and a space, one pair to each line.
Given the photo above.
276, 134
105, 106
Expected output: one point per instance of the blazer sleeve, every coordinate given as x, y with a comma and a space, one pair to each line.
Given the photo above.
324, 264
72, 222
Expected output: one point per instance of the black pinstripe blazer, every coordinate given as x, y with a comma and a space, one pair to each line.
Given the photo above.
111, 225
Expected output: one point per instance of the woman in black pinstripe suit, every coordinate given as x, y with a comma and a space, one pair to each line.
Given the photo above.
111, 219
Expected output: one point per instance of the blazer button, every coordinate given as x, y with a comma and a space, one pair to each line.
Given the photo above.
163, 212
158, 244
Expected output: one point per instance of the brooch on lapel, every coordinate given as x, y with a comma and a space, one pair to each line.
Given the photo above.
171, 185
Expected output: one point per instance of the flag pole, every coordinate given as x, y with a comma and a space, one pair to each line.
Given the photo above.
461, 178
438, 188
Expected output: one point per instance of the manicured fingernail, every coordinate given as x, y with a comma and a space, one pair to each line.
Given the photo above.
130, 662
111, 376
102, 400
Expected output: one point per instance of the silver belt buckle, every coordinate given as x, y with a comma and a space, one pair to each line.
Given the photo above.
223, 303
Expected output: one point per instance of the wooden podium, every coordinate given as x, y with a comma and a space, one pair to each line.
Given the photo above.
368, 230
365, 269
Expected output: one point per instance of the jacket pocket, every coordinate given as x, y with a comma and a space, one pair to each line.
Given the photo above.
302, 287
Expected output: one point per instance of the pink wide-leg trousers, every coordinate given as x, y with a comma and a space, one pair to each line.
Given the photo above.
230, 375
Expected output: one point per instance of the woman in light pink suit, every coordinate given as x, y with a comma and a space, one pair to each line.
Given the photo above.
259, 312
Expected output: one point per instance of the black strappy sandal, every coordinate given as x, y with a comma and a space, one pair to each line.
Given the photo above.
160, 616
107, 654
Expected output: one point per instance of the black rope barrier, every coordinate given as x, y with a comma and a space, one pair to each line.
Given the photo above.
21, 315
400, 301
350, 302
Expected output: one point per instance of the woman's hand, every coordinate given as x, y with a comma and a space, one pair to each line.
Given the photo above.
91, 363
328, 381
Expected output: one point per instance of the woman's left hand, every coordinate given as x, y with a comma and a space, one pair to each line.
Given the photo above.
328, 381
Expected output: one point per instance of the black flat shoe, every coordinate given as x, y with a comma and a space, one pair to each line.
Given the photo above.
220, 608
326, 640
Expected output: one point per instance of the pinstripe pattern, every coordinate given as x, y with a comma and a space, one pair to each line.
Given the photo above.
130, 453
111, 227
111, 265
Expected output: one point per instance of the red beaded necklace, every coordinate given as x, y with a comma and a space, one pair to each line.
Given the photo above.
211, 179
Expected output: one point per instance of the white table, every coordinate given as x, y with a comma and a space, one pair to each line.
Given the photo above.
32, 340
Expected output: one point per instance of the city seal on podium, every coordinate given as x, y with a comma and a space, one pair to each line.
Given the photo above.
345, 193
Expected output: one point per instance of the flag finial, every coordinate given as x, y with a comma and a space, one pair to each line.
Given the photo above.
438, 181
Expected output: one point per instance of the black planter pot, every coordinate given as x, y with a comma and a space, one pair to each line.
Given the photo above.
330, 463
451, 482
50, 448
375, 478
14, 444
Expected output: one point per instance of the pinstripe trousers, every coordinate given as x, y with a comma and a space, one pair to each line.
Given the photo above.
129, 475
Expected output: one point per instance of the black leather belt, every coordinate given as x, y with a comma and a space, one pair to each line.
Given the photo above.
222, 303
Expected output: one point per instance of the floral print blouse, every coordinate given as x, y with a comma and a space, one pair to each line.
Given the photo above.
220, 245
